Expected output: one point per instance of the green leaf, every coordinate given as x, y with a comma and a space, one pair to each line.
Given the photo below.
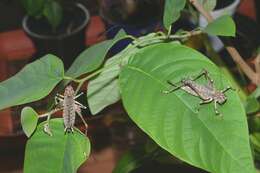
104, 90
200, 138
60, 153
172, 9
34, 7
93, 57
256, 93
222, 26
209, 5
53, 12
35, 81
29, 119
251, 105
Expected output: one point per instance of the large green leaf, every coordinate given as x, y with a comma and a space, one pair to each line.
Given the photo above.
53, 12
29, 120
93, 57
172, 9
33, 82
201, 138
60, 153
104, 89
222, 26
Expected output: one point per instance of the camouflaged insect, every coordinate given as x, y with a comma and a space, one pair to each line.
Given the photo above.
207, 93
70, 107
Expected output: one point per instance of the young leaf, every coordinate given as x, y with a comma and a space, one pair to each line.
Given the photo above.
53, 12
58, 153
173, 121
34, 7
172, 9
32, 83
92, 58
29, 119
209, 5
222, 26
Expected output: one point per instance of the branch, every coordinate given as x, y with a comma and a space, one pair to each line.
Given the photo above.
231, 50
257, 68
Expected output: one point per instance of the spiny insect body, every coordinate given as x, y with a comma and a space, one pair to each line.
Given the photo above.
70, 108
207, 93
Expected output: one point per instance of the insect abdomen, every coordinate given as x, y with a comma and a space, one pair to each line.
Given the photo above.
201, 91
69, 113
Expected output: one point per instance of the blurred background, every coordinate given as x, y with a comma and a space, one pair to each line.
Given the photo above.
25, 37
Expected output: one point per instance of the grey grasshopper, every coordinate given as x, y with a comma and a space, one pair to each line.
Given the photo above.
70, 107
207, 93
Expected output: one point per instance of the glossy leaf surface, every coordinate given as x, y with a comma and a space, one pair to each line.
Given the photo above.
213, 143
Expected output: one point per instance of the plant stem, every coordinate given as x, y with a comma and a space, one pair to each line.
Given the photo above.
231, 50
160, 38
70, 78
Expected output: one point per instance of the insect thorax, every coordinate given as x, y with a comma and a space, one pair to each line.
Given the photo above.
220, 97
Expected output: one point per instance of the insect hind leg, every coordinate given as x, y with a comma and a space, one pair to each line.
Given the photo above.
173, 89
227, 89
78, 111
205, 73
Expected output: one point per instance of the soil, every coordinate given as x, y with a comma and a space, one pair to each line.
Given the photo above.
72, 19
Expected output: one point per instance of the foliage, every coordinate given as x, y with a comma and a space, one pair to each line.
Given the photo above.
137, 75
32, 83
197, 137
52, 10
29, 119
172, 10
209, 5
95, 54
222, 26
58, 153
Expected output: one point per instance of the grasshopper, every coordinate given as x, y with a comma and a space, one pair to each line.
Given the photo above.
70, 107
207, 93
